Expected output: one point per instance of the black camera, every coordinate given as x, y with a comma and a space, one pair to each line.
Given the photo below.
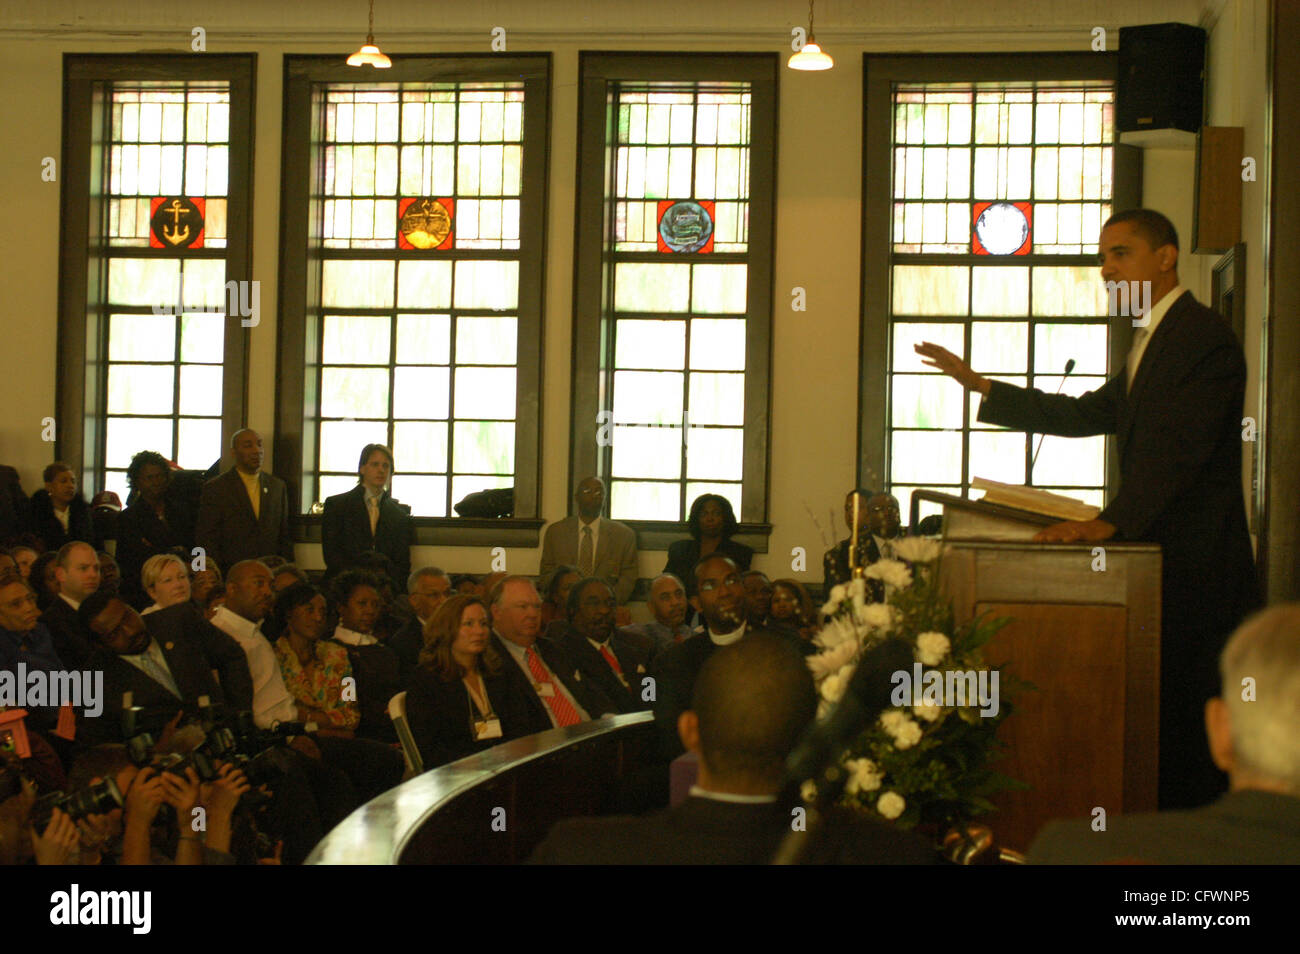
95, 799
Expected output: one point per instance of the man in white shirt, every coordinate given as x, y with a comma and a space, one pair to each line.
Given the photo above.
668, 603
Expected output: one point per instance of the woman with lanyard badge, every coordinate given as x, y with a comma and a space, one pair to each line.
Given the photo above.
460, 701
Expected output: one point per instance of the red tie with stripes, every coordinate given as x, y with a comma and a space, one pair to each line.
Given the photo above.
559, 705
613, 662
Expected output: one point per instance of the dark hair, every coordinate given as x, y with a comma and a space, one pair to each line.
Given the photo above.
289, 599
754, 699
1148, 223
349, 581
37, 573
53, 470
143, 459
272, 561
553, 585
440, 632
93, 605
370, 449
748, 573
862, 492
729, 524
805, 613
103, 761
12, 575
575, 594
292, 569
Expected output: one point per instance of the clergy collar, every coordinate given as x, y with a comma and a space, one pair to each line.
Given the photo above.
733, 798
725, 639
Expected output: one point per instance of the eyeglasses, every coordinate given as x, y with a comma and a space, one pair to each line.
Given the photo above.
707, 586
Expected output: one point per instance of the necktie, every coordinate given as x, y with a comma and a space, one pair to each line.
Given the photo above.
560, 706
1139, 336
613, 662
158, 672
586, 554
372, 504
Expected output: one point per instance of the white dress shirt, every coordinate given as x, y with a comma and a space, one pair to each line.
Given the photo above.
75, 604
1157, 314
351, 637
517, 654
272, 702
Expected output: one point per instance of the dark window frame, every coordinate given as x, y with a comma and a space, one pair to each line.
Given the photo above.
297, 329
83, 329
592, 355
879, 74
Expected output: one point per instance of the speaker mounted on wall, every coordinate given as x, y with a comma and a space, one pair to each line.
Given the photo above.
1161, 86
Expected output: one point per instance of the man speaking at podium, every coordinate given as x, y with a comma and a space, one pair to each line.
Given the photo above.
1176, 410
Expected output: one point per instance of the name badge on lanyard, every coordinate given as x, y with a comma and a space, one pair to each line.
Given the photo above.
487, 729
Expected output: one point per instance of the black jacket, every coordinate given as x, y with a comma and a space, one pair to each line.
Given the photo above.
72, 640
633, 653
345, 533
193, 648
15, 508
440, 716
835, 565
81, 522
684, 554
227, 529
142, 534
584, 691
378, 674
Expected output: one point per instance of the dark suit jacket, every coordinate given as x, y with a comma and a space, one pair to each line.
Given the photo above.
74, 643
439, 715
1179, 442
81, 522
836, 569
142, 534
1241, 828
15, 507
615, 556
684, 554
227, 529
407, 643
633, 652
378, 674
703, 831
584, 691
193, 648
345, 533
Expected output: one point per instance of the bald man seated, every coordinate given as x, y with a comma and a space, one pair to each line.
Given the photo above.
244, 513
752, 702
1252, 736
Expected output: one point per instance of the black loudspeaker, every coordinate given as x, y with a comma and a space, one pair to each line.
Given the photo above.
1161, 78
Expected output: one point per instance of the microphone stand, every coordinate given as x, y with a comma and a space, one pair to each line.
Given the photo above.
1069, 366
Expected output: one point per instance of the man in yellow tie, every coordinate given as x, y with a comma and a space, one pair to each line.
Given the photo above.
244, 513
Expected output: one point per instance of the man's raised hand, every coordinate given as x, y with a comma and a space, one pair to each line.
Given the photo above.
940, 357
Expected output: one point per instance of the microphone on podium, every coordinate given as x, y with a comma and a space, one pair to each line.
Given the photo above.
1069, 366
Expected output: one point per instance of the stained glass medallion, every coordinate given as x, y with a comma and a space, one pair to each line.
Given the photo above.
686, 226
1001, 228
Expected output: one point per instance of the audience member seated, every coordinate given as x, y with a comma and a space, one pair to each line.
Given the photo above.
244, 513
313, 669
24, 639
166, 581
712, 523
668, 603
110, 574
357, 605
202, 581
596, 545
15, 508
792, 610
467, 584
59, 512
8, 563
426, 590
1252, 736
152, 523
394, 612
44, 579
879, 524
615, 660
367, 518
24, 556
461, 699
286, 575
554, 607
720, 600
214, 600
165, 660
750, 706
539, 668
77, 571
758, 597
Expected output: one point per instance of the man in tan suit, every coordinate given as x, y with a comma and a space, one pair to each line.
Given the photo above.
607, 546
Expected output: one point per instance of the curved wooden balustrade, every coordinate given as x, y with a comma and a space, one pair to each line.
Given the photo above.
455, 814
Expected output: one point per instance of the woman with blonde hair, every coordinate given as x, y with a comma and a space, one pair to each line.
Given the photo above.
461, 700
166, 579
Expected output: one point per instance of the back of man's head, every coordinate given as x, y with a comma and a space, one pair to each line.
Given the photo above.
1260, 667
753, 700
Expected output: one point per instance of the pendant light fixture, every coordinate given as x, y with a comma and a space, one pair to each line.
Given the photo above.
811, 56
369, 53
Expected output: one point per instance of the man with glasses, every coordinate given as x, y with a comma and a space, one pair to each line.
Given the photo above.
596, 545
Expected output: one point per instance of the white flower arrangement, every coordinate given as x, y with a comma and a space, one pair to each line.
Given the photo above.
931, 648
917, 549
928, 711
864, 776
891, 805
901, 727
893, 573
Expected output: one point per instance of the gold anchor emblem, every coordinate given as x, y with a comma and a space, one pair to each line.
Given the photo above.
176, 235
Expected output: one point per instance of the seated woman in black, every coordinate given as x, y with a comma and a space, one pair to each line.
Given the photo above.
712, 523
358, 605
460, 701
367, 518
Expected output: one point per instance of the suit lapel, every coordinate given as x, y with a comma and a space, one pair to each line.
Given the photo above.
237, 488
1150, 359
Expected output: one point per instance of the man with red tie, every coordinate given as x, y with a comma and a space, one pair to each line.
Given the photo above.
613, 659
558, 694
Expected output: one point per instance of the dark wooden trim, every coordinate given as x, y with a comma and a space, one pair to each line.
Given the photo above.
592, 341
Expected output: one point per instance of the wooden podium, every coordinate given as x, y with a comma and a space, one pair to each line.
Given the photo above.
1088, 638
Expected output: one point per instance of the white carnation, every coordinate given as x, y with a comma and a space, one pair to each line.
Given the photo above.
890, 805
823, 664
917, 549
931, 648
894, 573
838, 593
902, 729
878, 616
833, 687
836, 632
928, 712
864, 776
